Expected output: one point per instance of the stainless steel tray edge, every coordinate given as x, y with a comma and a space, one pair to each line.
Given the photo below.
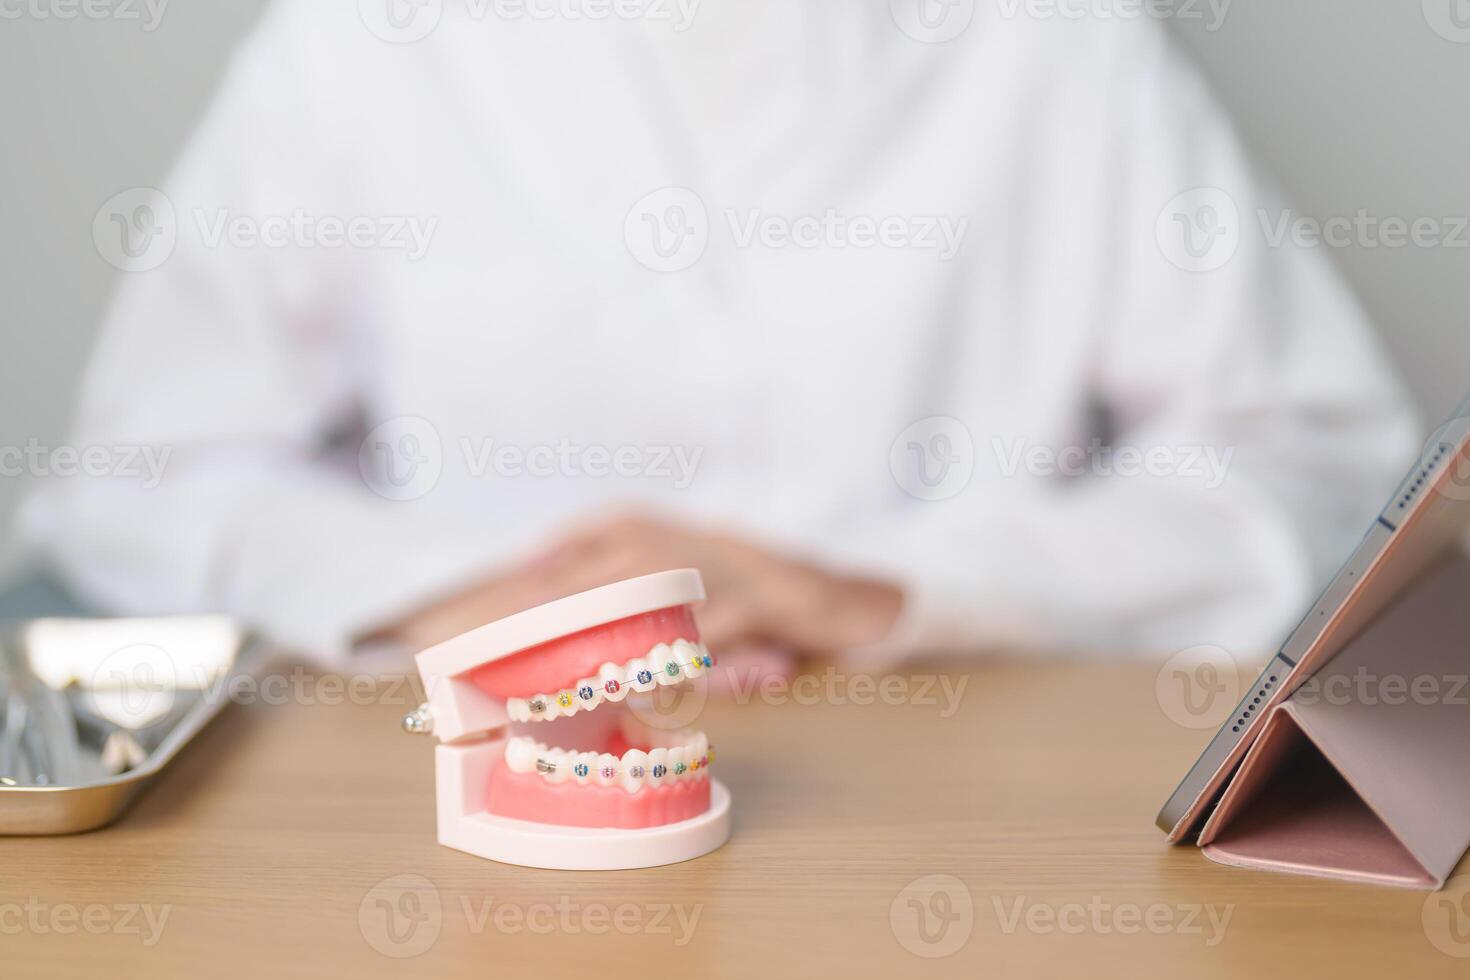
54, 810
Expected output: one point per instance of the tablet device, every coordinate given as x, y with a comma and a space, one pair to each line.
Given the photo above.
1427, 516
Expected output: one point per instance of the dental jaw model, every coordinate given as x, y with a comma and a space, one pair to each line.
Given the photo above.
551, 755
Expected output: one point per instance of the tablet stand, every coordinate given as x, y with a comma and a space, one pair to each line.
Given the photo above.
1364, 772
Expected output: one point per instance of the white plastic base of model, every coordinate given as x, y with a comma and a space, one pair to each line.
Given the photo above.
461, 773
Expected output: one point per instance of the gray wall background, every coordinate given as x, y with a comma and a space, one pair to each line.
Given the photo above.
1350, 103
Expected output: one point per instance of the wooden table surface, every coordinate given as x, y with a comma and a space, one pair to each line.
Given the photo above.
297, 839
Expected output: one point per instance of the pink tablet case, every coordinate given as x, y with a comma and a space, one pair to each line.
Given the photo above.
1360, 775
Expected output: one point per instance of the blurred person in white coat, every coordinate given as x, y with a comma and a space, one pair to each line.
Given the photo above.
915, 329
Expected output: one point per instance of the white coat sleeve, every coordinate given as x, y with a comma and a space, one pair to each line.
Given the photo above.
232, 365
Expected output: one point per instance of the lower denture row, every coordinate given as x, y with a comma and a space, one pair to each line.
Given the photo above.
636, 769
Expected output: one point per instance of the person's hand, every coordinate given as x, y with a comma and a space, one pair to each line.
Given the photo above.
756, 597
484, 602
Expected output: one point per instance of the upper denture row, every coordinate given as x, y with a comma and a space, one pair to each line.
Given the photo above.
663, 665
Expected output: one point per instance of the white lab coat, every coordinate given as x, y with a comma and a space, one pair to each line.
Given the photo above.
791, 367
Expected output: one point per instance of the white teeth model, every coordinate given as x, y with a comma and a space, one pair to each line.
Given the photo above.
588, 693
635, 770
658, 767
634, 774
693, 663
521, 754
679, 763
561, 766
686, 660
613, 682
666, 661
610, 677
640, 675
